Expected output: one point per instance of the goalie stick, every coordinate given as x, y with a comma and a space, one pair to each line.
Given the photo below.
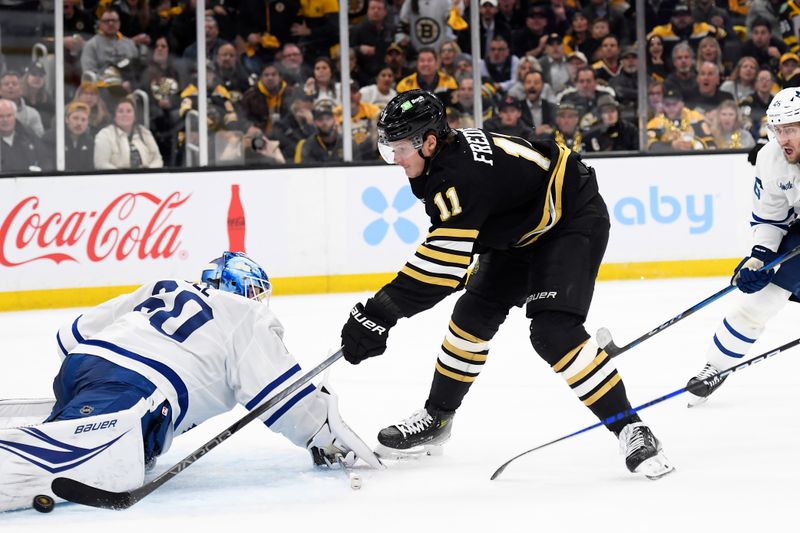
605, 341
77, 492
628, 412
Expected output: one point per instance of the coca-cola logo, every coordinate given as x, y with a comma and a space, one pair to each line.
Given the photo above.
131, 224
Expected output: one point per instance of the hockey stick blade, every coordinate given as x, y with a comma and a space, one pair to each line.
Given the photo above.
624, 414
77, 492
606, 342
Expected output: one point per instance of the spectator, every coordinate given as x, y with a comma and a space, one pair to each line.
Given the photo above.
381, 91
356, 72
655, 99
262, 28
78, 29
213, 41
78, 140
499, 65
602, 9
395, 59
525, 65
230, 72
162, 81
708, 95
626, 84
608, 66
763, 46
364, 125
124, 143
530, 40
754, 107
322, 85
742, 80
656, 67
599, 29
788, 71
99, 117
507, 121
683, 76
425, 24
463, 65
708, 49
318, 28
585, 93
566, 132
266, 103
491, 25
770, 11
537, 113
682, 27
448, 53
222, 114
134, 20
261, 150
20, 151
325, 144
35, 93
578, 34
11, 89
295, 126
554, 64
109, 47
292, 66
372, 37
611, 133
428, 76
575, 61
463, 101
727, 128
678, 128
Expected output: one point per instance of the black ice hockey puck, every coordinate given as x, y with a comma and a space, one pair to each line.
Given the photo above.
43, 503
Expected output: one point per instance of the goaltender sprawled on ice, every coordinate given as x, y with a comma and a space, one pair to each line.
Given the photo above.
155, 363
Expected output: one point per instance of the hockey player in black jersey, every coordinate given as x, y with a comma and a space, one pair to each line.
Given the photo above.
533, 215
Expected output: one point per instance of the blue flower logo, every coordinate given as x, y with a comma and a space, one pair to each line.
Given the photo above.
376, 231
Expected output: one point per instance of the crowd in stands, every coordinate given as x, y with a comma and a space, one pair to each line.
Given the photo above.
549, 69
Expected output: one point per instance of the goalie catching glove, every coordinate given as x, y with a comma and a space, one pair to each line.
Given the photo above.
365, 333
747, 276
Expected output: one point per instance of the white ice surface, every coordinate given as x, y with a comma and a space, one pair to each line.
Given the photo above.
736, 456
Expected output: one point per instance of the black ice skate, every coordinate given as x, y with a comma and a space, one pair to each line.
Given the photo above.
424, 432
703, 384
642, 451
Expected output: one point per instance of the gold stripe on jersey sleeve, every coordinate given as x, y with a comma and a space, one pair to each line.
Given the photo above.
600, 393
470, 356
443, 256
464, 335
431, 280
554, 192
567, 359
453, 232
453, 375
601, 358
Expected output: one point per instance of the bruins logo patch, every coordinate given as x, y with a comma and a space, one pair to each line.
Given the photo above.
427, 30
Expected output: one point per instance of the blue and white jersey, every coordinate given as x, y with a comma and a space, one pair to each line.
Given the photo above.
206, 350
776, 196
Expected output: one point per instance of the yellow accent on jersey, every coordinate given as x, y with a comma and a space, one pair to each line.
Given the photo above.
471, 356
464, 335
432, 280
315, 9
453, 232
551, 211
601, 358
453, 375
600, 393
443, 256
567, 359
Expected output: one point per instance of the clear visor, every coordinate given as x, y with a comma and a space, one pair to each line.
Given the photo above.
785, 131
394, 151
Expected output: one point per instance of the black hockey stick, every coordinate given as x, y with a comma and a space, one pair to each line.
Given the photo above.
628, 412
605, 341
78, 492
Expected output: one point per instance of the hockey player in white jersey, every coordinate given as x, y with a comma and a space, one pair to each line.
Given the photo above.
146, 366
776, 200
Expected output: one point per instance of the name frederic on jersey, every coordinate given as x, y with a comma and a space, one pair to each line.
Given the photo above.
479, 145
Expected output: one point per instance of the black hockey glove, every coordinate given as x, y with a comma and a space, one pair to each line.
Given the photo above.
753, 153
747, 276
366, 331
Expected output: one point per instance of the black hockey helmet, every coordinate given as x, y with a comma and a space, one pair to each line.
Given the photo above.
410, 115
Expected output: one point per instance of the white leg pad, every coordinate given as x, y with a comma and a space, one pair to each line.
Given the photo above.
105, 451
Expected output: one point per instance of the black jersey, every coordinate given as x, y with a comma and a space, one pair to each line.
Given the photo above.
486, 191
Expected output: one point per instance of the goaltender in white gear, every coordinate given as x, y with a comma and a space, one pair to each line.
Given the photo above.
155, 363
776, 201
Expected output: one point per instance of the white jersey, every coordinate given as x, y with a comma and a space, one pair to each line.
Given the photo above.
205, 350
776, 196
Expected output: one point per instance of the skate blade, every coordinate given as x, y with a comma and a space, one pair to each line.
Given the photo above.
656, 467
416, 452
695, 400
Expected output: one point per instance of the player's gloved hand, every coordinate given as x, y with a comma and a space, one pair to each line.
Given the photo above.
747, 276
365, 333
753, 153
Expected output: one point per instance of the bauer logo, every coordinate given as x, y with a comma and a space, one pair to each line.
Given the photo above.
697, 210
389, 216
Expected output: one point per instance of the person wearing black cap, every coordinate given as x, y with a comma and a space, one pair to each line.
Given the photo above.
35, 93
326, 143
554, 63
530, 40
682, 27
611, 133
566, 132
508, 120
678, 128
626, 83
